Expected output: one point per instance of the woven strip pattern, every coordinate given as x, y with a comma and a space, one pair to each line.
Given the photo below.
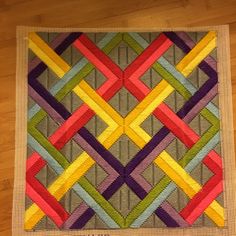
95, 149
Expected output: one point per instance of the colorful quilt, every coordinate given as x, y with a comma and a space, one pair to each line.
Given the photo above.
123, 131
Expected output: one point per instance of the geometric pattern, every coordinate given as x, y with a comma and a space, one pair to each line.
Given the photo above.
94, 124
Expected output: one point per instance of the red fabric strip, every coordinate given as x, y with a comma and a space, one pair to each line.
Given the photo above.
47, 203
98, 58
197, 205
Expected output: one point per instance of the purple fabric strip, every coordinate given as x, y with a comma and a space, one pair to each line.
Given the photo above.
102, 150
170, 216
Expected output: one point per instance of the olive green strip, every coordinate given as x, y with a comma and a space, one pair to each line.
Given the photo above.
106, 205
58, 156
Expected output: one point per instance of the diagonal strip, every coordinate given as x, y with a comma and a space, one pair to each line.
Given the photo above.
190, 186
45, 200
39, 194
99, 59
178, 41
210, 190
190, 43
59, 44
201, 200
170, 216
197, 54
143, 62
46, 54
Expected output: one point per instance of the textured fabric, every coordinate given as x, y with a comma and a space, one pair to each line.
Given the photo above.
123, 131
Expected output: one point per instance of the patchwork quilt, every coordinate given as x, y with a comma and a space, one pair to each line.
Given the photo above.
123, 131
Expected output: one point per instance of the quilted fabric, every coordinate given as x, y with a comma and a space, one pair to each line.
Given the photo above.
123, 131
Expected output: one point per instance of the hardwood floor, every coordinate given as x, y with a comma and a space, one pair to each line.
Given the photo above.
88, 13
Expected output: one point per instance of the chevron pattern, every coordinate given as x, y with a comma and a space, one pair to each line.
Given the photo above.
199, 200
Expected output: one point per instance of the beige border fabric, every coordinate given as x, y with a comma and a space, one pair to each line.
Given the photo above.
226, 113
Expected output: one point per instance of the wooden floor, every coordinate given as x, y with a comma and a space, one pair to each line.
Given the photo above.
88, 13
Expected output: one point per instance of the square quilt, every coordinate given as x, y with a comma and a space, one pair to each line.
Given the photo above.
123, 131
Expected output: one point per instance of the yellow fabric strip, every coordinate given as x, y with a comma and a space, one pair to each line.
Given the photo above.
145, 109
135, 136
98, 104
102, 109
188, 184
197, 54
47, 55
32, 216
